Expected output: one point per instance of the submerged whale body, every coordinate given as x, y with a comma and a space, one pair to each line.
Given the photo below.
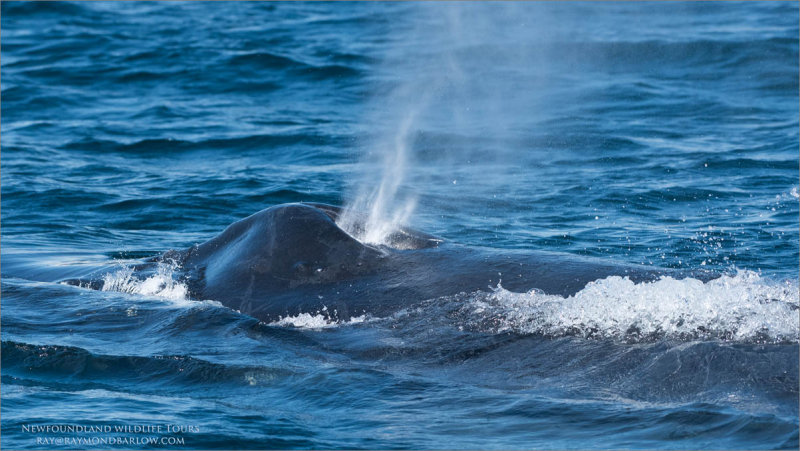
294, 258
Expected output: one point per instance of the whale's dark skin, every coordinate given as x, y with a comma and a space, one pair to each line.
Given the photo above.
293, 258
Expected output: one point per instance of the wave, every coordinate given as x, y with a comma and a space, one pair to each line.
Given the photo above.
742, 307
43, 8
57, 363
670, 55
262, 60
159, 146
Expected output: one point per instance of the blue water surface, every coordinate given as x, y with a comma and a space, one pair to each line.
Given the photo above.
663, 134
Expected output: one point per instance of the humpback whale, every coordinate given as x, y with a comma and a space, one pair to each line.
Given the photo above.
294, 258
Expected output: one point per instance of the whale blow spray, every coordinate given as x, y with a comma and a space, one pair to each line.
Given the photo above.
384, 197
453, 106
384, 210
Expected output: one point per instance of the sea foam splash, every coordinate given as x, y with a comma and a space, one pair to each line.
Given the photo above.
161, 284
319, 320
741, 307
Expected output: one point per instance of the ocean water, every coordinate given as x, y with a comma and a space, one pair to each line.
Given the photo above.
662, 134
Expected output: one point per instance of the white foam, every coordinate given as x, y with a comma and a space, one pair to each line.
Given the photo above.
319, 320
740, 307
161, 284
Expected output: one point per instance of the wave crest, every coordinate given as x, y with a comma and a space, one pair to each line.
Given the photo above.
741, 307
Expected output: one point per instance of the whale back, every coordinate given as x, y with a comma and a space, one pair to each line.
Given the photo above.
280, 247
